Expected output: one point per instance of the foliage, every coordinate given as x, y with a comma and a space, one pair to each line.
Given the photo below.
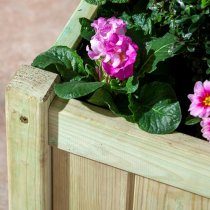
100, 2
171, 35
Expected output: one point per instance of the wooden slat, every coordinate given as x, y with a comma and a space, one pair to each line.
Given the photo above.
92, 132
71, 33
82, 184
60, 181
152, 195
28, 96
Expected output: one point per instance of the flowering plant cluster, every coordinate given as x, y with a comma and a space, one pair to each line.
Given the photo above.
110, 46
141, 59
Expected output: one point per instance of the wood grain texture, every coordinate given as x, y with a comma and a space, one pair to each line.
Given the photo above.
28, 97
70, 36
82, 184
60, 179
152, 195
92, 132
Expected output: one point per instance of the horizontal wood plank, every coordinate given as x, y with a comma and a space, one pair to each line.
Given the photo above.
92, 132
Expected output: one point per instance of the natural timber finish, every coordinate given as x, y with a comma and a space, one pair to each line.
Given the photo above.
28, 97
60, 180
152, 195
82, 184
71, 33
92, 132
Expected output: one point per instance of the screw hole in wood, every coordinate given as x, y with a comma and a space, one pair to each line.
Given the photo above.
24, 119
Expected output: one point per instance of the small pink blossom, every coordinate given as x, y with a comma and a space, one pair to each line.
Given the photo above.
205, 124
200, 100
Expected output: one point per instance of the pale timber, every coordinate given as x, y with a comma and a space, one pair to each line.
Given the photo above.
70, 36
92, 132
28, 97
83, 184
152, 195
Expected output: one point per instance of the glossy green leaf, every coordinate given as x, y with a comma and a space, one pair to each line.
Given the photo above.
190, 120
61, 60
132, 84
159, 49
156, 109
87, 30
100, 2
76, 89
103, 97
164, 117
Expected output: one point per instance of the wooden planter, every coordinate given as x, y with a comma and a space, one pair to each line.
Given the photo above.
69, 155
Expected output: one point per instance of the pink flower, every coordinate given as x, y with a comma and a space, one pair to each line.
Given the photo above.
120, 57
106, 27
98, 49
115, 51
205, 124
200, 100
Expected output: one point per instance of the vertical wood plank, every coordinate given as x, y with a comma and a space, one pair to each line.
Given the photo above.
60, 182
152, 195
91, 185
28, 96
96, 186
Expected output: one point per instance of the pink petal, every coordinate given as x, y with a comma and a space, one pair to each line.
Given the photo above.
206, 86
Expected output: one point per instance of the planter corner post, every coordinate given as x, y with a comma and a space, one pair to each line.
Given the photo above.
28, 97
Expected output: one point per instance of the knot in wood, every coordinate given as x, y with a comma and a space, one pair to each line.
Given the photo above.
24, 119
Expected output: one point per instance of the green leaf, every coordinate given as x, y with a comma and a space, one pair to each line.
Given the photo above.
207, 47
205, 3
159, 49
61, 60
100, 2
208, 62
132, 84
128, 19
143, 23
138, 22
197, 20
190, 120
208, 71
118, 86
164, 117
127, 86
102, 97
91, 71
156, 109
96, 2
76, 89
119, 1
87, 30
